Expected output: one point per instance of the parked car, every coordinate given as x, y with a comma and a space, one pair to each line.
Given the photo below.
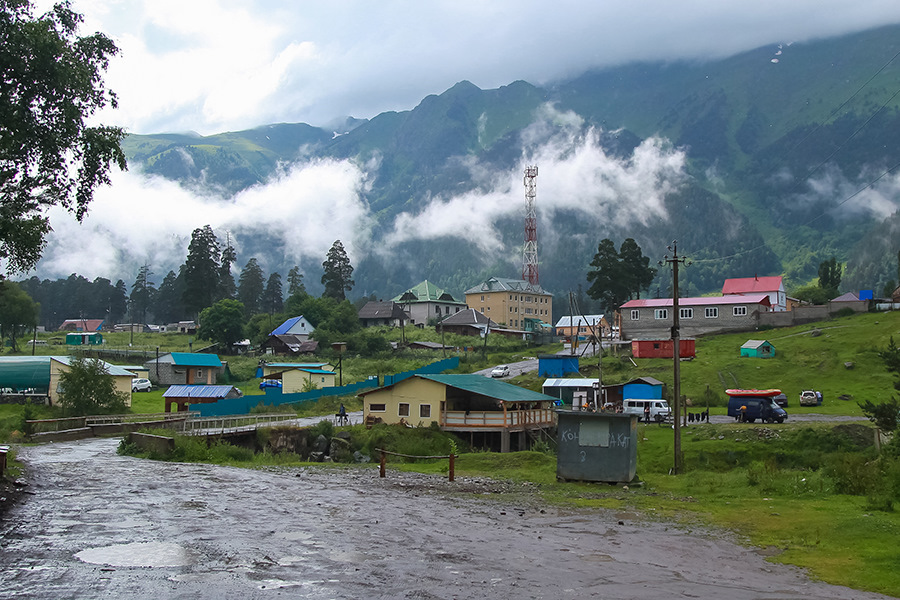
500, 371
750, 408
659, 409
781, 400
809, 398
269, 383
139, 384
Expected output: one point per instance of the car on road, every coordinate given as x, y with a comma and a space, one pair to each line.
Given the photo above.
500, 371
139, 384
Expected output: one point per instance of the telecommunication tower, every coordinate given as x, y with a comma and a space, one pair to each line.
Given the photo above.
530, 260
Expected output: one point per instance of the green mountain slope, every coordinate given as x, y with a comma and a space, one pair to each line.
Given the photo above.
756, 128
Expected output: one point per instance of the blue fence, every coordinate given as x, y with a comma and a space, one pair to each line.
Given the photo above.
274, 396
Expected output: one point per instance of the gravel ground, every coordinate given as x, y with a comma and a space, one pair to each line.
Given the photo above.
99, 525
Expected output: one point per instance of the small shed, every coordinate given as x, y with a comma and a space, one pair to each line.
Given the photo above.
557, 365
596, 446
758, 349
566, 389
185, 395
84, 338
663, 348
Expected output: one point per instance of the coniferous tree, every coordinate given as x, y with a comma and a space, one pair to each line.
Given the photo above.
338, 272
118, 302
636, 269
272, 298
142, 295
169, 307
295, 282
606, 278
227, 289
201, 270
251, 285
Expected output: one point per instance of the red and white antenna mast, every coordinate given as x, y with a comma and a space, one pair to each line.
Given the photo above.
530, 261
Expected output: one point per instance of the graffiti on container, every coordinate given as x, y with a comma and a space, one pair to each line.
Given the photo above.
620, 440
569, 435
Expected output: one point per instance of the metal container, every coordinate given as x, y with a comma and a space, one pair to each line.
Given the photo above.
596, 446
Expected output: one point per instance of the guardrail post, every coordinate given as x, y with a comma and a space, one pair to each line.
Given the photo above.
383, 461
452, 463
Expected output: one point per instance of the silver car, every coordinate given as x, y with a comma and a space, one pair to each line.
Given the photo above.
140, 385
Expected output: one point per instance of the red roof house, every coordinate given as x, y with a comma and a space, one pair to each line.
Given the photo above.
772, 286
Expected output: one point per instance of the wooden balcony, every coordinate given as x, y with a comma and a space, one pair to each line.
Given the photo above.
496, 420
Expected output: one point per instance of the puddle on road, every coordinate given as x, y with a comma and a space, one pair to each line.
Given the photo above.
139, 554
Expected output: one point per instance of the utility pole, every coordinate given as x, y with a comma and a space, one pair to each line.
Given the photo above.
675, 260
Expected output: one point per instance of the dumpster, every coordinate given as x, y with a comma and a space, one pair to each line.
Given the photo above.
596, 446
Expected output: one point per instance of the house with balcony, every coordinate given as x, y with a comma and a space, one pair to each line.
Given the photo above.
493, 414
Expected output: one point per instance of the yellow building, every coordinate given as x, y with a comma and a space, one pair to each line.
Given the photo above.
510, 302
60, 365
471, 404
294, 376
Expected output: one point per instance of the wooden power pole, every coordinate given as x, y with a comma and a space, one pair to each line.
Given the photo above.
675, 260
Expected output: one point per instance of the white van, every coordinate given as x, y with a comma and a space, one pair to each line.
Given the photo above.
659, 409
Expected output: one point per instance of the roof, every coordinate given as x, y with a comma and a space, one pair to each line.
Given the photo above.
382, 310
315, 365
703, 301
573, 382
197, 391
644, 380
83, 324
484, 386
113, 370
425, 292
754, 344
848, 297
429, 345
752, 285
501, 284
288, 327
469, 317
578, 321
195, 359
22, 372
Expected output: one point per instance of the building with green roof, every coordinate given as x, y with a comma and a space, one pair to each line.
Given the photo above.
488, 411
427, 302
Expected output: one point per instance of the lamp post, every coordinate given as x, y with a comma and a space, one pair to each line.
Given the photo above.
339, 347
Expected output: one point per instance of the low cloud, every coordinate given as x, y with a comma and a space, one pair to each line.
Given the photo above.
144, 219
575, 174
846, 198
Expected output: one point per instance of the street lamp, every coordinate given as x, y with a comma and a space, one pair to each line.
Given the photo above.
340, 347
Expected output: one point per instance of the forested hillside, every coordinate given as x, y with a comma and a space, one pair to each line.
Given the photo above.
768, 162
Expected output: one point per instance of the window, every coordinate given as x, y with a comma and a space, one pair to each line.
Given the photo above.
740, 311
425, 411
711, 312
661, 313
376, 408
403, 410
482, 298
686, 313
635, 315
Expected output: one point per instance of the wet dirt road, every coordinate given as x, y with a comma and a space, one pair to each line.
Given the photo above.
103, 526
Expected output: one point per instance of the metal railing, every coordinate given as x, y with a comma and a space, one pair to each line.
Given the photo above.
234, 423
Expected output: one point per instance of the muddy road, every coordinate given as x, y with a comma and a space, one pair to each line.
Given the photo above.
97, 525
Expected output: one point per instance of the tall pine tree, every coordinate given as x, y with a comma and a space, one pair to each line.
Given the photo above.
250, 287
338, 272
201, 271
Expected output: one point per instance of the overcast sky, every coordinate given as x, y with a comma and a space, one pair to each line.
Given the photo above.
224, 65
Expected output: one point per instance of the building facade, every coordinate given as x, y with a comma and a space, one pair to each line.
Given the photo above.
773, 287
510, 302
652, 318
427, 302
